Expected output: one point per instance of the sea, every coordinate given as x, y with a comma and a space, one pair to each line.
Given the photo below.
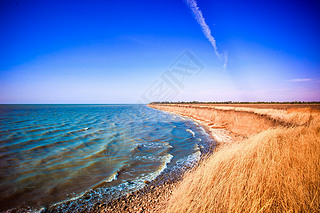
68, 157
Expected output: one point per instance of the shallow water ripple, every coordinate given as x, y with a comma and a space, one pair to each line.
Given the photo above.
54, 153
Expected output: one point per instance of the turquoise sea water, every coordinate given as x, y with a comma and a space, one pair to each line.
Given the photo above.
54, 153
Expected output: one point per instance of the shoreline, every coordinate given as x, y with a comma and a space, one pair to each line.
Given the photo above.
155, 194
219, 131
219, 134
228, 129
153, 197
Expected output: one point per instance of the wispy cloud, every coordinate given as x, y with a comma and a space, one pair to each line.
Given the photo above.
205, 28
301, 80
225, 61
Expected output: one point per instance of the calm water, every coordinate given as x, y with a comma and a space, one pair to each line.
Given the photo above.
54, 153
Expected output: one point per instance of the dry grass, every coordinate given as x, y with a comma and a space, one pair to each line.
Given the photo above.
294, 116
275, 170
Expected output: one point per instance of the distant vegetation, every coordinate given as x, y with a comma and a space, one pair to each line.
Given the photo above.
236, 102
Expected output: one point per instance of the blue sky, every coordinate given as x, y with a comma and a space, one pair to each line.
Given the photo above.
112, 51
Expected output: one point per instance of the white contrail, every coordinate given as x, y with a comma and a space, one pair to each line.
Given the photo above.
225, 61
300, 79
205, 28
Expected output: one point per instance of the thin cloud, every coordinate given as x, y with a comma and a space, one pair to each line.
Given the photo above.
205, 28
300, 80
225, 61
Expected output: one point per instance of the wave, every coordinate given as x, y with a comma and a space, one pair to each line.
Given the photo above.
156, 145
190, 160
37, 130
165, 160
112, 177
192, 132
83, 201
79, 130
140, 181
120, 147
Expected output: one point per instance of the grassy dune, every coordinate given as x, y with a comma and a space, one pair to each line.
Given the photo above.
277, 169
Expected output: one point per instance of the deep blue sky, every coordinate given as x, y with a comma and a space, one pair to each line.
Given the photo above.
112, 51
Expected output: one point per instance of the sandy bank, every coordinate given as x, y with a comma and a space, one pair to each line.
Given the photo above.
225, 124
271, 163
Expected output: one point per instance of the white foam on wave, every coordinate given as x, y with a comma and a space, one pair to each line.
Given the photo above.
71, 199
165, 160
37, 211
192, 159
196, 147
192, 132
139, 182
155, 145
113, 177
149, 158
79, 196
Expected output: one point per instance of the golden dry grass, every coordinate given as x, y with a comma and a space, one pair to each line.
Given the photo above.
294, 116
275, 170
